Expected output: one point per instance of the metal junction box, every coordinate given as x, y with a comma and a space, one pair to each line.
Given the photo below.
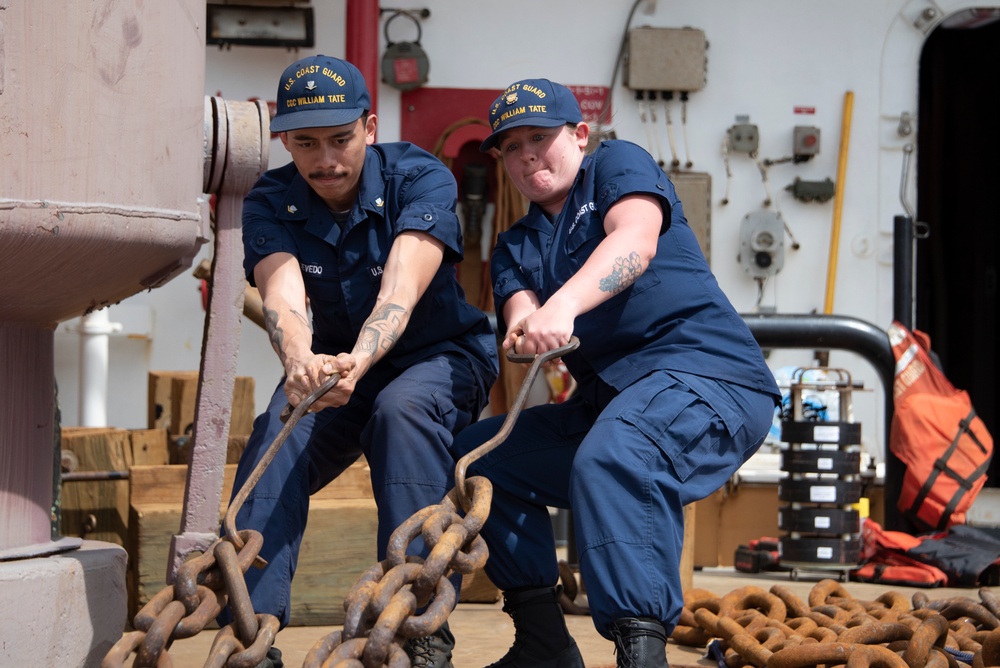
666, 59
694, 189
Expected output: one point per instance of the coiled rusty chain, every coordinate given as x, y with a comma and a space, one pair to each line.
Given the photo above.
777, 629
382, 605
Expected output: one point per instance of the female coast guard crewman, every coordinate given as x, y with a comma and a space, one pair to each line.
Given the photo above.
673, 392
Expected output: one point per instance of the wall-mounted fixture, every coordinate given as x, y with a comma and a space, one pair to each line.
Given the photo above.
666, 59
260, 25
405, 64
762, 244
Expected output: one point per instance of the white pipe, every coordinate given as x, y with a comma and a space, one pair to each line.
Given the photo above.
94, 330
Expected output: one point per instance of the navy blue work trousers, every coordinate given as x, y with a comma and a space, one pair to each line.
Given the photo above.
402, 421
626, 466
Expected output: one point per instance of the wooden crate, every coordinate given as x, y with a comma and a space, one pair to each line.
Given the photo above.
173, 397
160, 402
149, 447
96, 509
179, 448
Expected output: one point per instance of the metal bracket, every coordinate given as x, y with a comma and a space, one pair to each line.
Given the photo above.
236, 152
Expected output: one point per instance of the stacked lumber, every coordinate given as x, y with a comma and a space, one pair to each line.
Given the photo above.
99, 509
173, 398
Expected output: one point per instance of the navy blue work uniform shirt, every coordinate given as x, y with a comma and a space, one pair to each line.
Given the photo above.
402, 188
675, 317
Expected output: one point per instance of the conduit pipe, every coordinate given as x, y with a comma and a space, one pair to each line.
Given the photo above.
838, 202
362, 38
95, 328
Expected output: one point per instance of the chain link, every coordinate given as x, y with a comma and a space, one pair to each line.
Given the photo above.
185, 608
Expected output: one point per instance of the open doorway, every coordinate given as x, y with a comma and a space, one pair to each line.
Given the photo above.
958, 170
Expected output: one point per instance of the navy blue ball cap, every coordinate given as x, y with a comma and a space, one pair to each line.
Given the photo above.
318, 92
532, 102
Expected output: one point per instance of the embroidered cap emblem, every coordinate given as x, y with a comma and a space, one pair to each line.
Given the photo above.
310, 85
511, 99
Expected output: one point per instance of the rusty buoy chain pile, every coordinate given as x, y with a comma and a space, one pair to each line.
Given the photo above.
777, 629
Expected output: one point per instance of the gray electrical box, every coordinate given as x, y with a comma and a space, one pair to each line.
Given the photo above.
805, 141
694, 189
762, 243
744, 138
666, 59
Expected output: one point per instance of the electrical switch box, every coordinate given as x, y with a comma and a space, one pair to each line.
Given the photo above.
744, 138
666, 59
762, 244
805, 142
811, 191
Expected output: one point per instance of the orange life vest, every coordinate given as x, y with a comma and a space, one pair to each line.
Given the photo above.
935, 431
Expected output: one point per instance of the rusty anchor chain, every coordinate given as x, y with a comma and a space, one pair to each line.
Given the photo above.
382, 605
776, 629
204, 585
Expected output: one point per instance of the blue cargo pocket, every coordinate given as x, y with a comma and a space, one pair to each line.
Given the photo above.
678, 421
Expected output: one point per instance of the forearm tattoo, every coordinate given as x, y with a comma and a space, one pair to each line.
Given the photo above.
274, 332
382, 329
625, 272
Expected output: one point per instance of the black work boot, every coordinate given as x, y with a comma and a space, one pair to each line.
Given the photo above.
272, 660
640, 642
433, 651
541, 639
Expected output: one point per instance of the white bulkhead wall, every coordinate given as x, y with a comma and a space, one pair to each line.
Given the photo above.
767, 60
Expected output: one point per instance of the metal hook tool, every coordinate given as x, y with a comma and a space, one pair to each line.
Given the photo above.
522, 395
290, 420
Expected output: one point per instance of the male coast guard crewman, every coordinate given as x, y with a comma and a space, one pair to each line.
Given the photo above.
352, 246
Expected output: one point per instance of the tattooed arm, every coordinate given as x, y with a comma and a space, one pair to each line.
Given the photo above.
633, 227
413, 261
283, 293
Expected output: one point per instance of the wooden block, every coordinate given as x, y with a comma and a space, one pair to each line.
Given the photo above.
338, 547
477, 588
244, 412
184, 400
98, 448
687, 550
159, 403
173, 396
237, 444
149, 447
165, 484
96, 509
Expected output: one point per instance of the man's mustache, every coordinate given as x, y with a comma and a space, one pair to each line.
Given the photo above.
325, 175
